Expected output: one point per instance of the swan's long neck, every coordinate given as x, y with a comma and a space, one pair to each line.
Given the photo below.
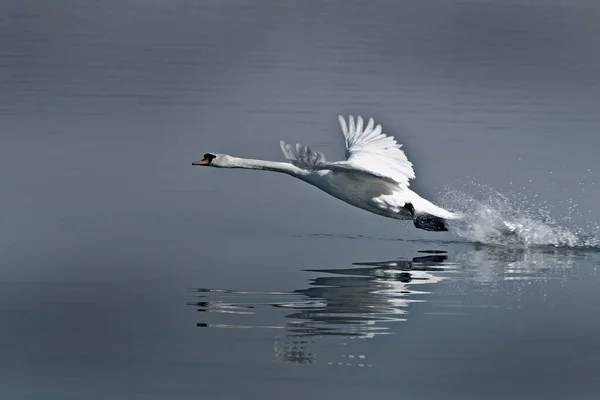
275, 166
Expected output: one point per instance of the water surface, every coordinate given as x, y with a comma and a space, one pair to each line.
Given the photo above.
126, 273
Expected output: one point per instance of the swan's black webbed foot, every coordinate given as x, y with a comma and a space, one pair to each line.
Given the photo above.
430, 223
427, 222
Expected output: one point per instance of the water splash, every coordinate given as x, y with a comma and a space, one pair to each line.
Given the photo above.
510, 219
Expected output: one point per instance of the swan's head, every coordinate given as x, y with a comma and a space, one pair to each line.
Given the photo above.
215, 160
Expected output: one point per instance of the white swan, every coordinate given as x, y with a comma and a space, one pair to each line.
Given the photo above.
374, 176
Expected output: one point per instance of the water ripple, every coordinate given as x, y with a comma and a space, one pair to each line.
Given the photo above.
366, 300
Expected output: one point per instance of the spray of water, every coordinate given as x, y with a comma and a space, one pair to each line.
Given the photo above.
510, 219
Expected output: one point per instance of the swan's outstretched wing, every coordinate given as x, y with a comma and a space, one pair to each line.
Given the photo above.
302, 156
369, 149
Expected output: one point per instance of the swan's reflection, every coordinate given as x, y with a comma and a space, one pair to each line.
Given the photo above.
363, 301
356, 302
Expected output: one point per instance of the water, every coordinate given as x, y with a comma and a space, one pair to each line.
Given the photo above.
128, 274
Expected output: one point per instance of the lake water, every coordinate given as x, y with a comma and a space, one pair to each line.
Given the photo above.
125, 273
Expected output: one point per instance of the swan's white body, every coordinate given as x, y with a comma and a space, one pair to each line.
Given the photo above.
374, 177
376, 197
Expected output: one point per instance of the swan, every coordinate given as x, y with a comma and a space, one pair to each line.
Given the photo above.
374, 177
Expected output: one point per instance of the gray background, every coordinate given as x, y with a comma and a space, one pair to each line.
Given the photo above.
106, 226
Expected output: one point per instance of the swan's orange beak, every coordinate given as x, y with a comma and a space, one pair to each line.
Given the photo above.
206, 160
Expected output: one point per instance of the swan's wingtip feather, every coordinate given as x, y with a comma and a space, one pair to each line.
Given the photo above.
359, 123
343, 124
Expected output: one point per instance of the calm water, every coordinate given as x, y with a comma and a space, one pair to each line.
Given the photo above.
127, 274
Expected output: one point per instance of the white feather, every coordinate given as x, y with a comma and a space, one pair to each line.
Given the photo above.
374, 151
